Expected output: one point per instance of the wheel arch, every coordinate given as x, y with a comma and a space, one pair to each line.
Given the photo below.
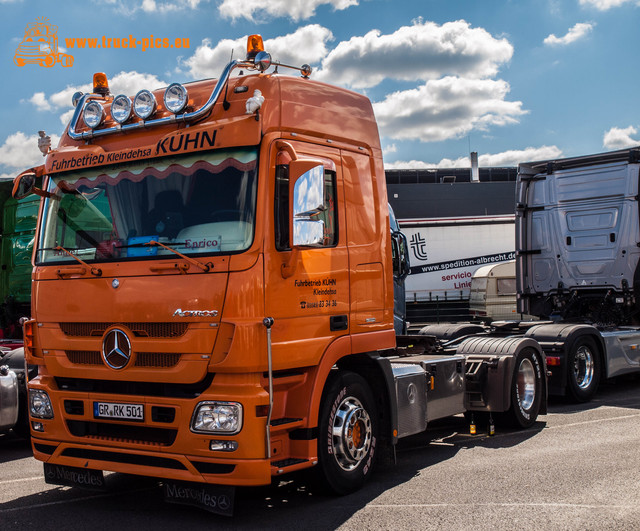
500, 353
559, 338
375, 370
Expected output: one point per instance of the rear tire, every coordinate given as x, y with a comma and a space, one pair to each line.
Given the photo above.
583, 369
348, 434
526, 390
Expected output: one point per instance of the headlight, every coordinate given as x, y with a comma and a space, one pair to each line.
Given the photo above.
121, 109
40, 404
175, 98
217, 417
144, 104
93, 114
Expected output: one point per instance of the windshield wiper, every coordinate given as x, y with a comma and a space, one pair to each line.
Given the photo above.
205, 267
94, 270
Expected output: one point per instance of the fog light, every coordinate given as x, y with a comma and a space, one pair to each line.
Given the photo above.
223, 446
121, 109
37, 426
93, 114
175, 98
40, 404
217, 417
144, 104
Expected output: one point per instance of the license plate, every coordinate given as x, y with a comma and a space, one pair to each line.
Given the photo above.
110, 410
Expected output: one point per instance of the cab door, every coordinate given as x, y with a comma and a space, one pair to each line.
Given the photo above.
306, 286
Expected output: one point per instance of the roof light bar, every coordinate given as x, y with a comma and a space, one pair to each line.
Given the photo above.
144, 104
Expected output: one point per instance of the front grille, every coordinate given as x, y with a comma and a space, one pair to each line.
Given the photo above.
143, 359
74, 407
159, 330
85, 385
157, 359
129, 458
163, 414
45, 448
84, 357
122, 433
212, 468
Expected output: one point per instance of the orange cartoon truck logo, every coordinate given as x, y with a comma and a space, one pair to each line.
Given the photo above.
40, 46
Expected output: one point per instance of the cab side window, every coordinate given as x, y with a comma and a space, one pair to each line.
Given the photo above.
281, 214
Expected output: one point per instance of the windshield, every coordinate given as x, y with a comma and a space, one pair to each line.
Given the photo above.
196, 204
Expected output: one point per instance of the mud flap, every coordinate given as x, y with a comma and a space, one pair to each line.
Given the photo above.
71, 476
218, 499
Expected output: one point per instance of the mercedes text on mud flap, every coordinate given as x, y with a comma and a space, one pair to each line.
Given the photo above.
227, 264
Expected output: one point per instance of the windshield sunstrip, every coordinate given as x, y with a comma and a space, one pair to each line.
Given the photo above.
202, 204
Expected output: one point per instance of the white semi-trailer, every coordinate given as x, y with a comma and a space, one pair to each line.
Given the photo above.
445, 252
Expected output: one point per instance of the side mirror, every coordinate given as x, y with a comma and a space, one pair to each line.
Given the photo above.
306, 181
404, 256
24, 185
400, 255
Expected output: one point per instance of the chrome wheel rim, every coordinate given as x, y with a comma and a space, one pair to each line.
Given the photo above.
526, 384
583, 367
351, 433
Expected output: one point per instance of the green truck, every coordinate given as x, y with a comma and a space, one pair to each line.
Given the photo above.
17, 233
19, 218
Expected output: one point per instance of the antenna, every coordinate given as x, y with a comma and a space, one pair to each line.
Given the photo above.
225, 103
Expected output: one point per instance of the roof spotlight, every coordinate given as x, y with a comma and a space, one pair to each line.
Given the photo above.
121, 108
144, 104
176, 98
93, 114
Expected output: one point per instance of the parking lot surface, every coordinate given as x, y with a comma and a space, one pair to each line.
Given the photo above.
577, 468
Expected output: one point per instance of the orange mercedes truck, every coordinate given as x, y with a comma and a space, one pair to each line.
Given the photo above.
212, 295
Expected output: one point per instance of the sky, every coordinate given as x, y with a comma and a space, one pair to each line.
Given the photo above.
513, 80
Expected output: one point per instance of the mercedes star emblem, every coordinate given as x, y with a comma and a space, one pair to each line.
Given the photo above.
116, 349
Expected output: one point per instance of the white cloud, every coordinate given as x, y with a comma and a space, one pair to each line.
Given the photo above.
580, 30
294, 9
604, 5
505, 159
617, 138
131, 82
446, 108
421, 51
65, 117
391, 148
129, 7
20, 151
40, 101
308, 44
151, 6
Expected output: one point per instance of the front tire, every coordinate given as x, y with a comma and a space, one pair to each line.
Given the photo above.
348, 433
583, 369
526, 390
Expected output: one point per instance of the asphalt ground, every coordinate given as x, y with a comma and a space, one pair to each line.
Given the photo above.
577, 468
